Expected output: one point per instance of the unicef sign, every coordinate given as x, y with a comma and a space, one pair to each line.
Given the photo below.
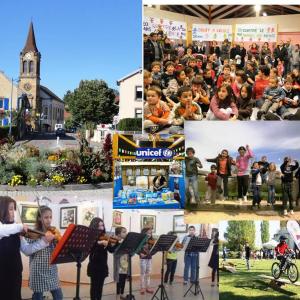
154, 153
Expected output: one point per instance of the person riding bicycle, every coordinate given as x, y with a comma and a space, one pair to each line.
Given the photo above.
281, 249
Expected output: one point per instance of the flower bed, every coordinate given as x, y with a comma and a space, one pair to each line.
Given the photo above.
28, 165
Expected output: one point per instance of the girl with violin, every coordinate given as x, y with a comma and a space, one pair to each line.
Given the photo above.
146, 262
97, 268
43, 277
11, 243
120, 265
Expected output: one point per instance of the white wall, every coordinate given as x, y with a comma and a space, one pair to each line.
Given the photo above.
131, 219
127, 104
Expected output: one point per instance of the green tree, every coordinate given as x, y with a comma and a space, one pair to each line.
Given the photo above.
92, 102
264, 231
240, 232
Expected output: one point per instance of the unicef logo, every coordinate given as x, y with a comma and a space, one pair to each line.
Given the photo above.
167, 153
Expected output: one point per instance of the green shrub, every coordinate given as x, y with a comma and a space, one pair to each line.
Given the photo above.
130, 124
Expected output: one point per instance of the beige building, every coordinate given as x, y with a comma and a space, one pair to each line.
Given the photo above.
46, 109
131, 95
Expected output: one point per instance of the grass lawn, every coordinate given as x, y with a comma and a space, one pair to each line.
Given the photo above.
247, 285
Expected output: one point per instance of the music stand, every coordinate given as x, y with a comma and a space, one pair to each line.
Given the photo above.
164, 243
197, 244
75, 246
130, 246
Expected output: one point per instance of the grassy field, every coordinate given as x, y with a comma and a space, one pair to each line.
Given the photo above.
247, 285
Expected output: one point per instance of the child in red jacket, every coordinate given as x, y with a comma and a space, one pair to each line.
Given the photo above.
212, 179
281, 250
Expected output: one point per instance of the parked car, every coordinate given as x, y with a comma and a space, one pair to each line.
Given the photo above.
60, 132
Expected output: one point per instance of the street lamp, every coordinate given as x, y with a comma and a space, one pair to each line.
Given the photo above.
10, 110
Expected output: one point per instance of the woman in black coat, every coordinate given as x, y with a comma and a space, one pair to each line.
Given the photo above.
214, 260
97, 268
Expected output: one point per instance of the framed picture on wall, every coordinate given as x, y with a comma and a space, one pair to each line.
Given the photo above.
178, 224
148, 221
68, 215
28, 214
117, 218
88, 214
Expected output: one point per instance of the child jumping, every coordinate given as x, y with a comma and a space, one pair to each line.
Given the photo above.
212, 179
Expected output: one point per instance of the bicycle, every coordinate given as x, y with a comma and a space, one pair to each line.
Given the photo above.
289, 268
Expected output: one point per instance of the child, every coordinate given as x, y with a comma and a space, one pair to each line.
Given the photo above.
10, 246
256, 172
226, 72
222, 105
250, 72
97, 268
287, 169
192, 63
192, 164
247, 255
214, 260
155, 70
242, 164
120, 265
168, 74
174, 84
146, 263
273, 95
240, 80
281, 249
156, 112
186, 109
43, 277
190, 259
190, 73
224, 163
245, 103
212, 179
271, 180
171, 264
200, 95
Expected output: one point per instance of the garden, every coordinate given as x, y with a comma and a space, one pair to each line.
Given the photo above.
28, 165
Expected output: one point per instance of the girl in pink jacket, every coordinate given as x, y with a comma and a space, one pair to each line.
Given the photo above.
242, 164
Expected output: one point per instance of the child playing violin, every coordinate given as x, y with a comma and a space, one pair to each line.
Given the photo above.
120, 265
43, 277
97, 268
10, 246
171, 263
146, 263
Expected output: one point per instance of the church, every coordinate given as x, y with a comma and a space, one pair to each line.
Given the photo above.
46, 108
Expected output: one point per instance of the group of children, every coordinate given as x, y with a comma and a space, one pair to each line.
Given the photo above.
259, 173
196, 86
43, 276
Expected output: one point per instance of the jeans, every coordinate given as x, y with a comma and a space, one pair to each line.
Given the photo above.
287, 195
271, 194
225, 184
256, 194
243, 183
259, 102
190, 266
56, 295
193, 181
171, 268
145, 265
270, 106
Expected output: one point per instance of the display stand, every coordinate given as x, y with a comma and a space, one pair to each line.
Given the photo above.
164, 243
75, 246
198, 245
130, 246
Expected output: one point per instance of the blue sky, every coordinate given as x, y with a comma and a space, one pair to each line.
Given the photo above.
273, 225
77, 39
273, 139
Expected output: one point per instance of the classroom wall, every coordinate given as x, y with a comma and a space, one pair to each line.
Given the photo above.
131, 219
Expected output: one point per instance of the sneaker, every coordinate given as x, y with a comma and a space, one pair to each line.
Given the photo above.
245, 198
291, 212
149, 291
285, 213
142, 291
185, 283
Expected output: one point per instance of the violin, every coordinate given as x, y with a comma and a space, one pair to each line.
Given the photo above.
34, 234
112, 240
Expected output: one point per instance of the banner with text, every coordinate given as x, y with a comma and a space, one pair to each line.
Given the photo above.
256, 33
173, 29
211, 32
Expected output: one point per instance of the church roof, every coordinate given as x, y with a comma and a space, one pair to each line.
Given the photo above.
30, 42
50, 93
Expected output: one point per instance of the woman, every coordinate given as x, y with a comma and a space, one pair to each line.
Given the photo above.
225, 48
214, 49
265, 51
159, 181
214, 260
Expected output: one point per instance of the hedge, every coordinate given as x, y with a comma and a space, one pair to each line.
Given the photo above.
130, 124
4, 130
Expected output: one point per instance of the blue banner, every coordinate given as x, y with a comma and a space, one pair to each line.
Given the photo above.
154, 153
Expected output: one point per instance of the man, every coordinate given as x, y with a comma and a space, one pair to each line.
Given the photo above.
247, 255
154, 50
289, 48
281, 54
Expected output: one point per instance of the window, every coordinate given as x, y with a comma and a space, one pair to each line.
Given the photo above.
138, 93
138, 113
1, 103
45, 112
25, 67
31, 66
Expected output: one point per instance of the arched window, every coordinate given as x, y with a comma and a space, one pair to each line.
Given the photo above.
31, 66
25, 66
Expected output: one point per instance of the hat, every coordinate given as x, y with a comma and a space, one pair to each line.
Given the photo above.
283, 238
